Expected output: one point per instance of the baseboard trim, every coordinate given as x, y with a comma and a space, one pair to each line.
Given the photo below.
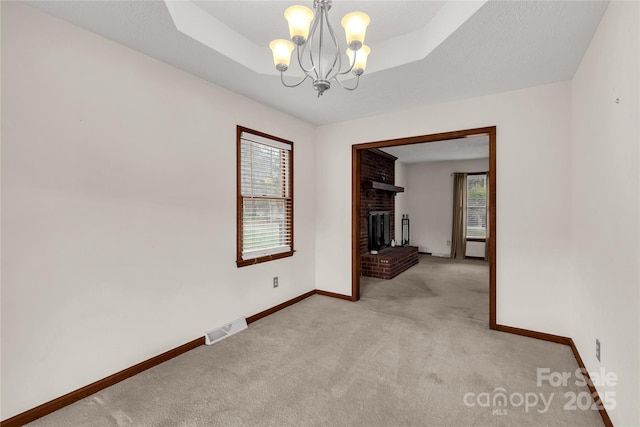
279, 307
292, 301
74, 396
569, 342
603, 412
334, 295
533, 334
81, 393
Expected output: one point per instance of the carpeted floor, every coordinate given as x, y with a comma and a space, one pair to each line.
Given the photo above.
414, 351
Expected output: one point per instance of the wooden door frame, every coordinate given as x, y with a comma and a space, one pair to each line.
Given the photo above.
445, 136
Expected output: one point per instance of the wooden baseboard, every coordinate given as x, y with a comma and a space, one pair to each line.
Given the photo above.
74, 396
69, 398
279, 307
334, 295
569, 342
592, 388
292, 301
81, 393
533, 334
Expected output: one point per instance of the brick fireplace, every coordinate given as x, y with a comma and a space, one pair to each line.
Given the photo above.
377, 213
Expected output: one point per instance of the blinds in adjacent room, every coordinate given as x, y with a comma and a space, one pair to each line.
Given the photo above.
477, 206
266, 193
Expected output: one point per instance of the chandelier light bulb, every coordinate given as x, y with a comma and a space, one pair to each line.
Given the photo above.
281, 50
299, 19
355, 27
361, 56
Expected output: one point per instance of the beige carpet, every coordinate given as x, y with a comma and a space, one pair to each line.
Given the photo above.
410, 353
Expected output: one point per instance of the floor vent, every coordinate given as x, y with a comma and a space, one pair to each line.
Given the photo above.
228, 329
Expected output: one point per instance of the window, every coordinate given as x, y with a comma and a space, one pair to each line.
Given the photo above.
265, 197
477, 206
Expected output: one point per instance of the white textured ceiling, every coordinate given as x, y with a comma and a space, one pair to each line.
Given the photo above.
263, 21
503, 46
476, 147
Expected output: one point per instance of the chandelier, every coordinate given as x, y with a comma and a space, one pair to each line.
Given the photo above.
319, 62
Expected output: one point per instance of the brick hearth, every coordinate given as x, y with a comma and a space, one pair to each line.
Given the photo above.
389, 262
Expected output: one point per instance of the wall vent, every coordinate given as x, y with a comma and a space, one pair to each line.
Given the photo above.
226, 330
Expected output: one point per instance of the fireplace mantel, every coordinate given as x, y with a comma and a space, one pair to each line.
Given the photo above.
376, 185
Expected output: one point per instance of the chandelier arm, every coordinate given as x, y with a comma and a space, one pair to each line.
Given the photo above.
320, 41
337, 58
300, 54
353, 63
346, 87
307, 44
293, 85
350, 68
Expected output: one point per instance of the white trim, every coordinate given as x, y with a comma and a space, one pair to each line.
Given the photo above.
265, 252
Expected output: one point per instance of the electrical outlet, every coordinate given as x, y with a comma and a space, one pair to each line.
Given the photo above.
448, 242
598, 349
275, 282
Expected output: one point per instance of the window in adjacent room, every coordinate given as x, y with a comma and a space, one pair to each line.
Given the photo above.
477, 207
265, 197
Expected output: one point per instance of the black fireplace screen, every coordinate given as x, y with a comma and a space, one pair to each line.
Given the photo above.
379, 230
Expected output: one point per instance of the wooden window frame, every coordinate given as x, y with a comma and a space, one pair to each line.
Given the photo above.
240, 262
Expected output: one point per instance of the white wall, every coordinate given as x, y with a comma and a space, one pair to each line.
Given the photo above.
401, 198
118, 197
533, 133
430, 204
605, 214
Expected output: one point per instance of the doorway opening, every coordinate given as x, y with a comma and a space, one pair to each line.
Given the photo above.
357, 151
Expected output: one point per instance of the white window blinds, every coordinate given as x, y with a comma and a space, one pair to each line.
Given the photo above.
477, 206
267, 202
